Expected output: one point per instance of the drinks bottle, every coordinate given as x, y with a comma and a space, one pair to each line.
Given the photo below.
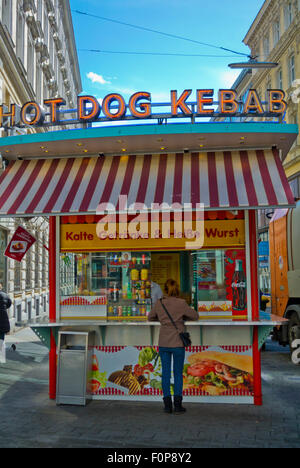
239, 301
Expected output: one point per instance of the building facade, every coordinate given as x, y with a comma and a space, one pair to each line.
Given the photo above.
274, 36
38, 60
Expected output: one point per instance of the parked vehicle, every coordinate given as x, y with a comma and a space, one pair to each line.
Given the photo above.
284, 238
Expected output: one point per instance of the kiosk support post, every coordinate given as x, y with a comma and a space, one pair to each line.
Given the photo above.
255, 307
52, 305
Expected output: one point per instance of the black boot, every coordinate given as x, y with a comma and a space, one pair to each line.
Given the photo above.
178, 408
168, 404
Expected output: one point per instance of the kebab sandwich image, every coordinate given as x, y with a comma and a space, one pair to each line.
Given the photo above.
216, 372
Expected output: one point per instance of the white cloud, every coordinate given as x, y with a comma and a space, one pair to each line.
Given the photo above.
95, 78
228, 77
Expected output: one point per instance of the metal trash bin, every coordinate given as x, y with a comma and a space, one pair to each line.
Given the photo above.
74, 364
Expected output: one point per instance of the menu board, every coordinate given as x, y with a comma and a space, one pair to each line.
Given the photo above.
165, 266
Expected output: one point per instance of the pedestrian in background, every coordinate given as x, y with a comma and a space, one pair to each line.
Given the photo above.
5, 304
156, 292
170, 343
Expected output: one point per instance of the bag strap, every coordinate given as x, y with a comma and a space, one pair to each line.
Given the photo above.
169, 315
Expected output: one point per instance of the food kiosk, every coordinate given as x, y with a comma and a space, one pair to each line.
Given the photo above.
130, 205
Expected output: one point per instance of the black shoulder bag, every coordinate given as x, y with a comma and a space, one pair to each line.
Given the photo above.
185, 336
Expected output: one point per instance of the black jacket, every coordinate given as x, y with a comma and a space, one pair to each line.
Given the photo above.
5, 304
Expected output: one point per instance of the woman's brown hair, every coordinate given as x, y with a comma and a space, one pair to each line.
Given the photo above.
171, 288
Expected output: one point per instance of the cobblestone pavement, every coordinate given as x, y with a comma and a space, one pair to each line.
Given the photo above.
30, 419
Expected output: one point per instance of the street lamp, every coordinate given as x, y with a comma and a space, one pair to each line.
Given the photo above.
252, 63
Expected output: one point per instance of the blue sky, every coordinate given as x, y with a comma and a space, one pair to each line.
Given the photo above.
218, 22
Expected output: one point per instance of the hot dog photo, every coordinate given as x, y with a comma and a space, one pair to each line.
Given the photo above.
18, 246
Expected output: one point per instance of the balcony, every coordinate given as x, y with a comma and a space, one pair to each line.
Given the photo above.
29, 5
51, 17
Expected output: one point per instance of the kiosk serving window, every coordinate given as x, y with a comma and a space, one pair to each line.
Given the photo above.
117, 285
110, 277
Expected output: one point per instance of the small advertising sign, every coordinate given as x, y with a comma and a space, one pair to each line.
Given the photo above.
20, 244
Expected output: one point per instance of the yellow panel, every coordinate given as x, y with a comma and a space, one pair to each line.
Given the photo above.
84, 238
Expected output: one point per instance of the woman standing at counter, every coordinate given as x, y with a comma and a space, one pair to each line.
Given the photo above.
170, 344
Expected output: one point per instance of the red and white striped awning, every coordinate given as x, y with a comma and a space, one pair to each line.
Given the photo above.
219, 180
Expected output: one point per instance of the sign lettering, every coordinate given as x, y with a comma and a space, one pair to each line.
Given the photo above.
114, 107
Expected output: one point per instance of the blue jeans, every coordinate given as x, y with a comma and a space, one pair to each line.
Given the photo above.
178, 361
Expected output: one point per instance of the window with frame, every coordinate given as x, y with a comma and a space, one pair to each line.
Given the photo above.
279, 79
44, 260
20, 30
46, 27
51, 51
28, 270
30, 61
45, 89
36, 267
288, 14
276, 31
266, 46
295, 186
291, 69
39, 10
7, 14
38, 83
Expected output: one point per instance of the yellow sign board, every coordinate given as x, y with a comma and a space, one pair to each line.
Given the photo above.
165, 265
89, 237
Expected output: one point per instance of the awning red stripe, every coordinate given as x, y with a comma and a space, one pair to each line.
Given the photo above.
74, 189
249, 185
212, 180
142, 190
177, 186
9, 189
231, 187
59, 186
43, 187
288, 191
195, 179
34, 174
267, 181
92, 185
110, 180
161, 178
127, 177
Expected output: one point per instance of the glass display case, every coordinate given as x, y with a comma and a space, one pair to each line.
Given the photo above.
209, 277
105, 285
219, 283
129, 285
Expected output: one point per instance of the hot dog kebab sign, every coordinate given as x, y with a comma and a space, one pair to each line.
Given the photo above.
20, 244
